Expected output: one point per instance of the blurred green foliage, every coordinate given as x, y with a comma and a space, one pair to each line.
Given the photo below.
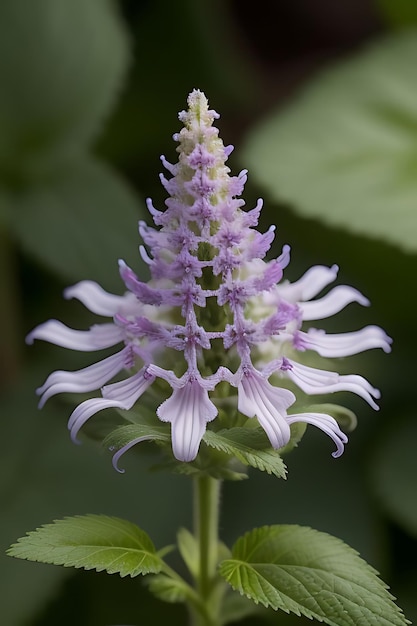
88, 100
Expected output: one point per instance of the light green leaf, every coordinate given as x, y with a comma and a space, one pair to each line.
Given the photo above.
92, 542
79, 222
394, 472
310, 573
345, 151
169, 589
61, 66
250, 446
188, 547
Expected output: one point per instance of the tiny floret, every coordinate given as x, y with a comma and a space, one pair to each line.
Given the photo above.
214, 314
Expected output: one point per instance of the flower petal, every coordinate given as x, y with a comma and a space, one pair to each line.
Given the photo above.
327, 424
125, 448
121, 395
87, 379
94, 298
257, 397
87, 409
344, 344
130, 389
98, 337
315, 381
310, 284
332, 303
188, 409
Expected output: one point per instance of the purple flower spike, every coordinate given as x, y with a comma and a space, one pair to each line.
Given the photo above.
214, 311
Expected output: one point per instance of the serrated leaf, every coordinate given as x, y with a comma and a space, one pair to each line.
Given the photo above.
91, 542
79, 222
250, 446
61, 65
310, 573
394, 472
344, 151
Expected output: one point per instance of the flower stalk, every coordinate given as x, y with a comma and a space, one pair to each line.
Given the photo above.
206, 525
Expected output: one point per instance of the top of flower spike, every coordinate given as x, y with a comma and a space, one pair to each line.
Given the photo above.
214, 311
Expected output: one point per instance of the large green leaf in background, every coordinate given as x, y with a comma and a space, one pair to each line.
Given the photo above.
345, 150
61, 65
79, 222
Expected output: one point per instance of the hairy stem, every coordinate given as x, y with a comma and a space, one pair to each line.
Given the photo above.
206, 521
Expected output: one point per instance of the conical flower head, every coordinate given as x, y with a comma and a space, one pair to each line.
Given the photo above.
213, 311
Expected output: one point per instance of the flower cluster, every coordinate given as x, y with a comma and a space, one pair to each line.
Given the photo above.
213, 311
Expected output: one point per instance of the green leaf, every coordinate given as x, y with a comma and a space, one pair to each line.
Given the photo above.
61, 66
79, 222
92, 542
345, 150
394, 472
310, 573
169, 589
250, 446
188, 547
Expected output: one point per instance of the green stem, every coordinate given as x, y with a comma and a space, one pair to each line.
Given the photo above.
206, 522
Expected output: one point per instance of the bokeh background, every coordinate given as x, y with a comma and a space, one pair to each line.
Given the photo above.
320, 100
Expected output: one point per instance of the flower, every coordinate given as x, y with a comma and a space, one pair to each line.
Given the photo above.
214, 311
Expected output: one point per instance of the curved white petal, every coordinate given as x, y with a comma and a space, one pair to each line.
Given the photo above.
345, 344
188, 409
332, 303
87, 379
121, 395
257, 397
87, 409
315, 381
94, 298
310, 284
98, 337
327, 424
129, 390
124, 449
